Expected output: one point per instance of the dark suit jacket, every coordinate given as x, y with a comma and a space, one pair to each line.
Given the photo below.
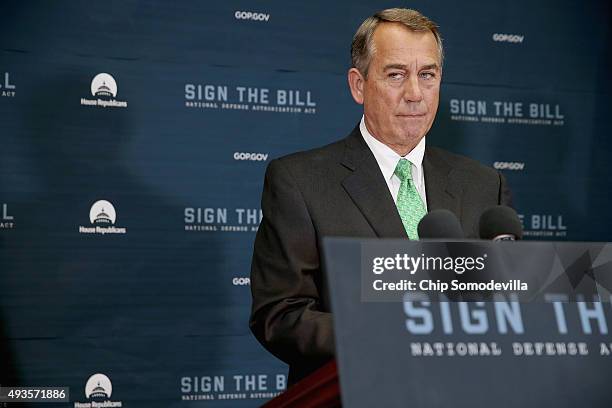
339, 190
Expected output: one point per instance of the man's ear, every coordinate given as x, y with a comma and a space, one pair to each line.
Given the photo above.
356, 82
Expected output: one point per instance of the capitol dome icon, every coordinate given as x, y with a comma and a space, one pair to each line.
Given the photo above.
104, 84
99, 387
102, 212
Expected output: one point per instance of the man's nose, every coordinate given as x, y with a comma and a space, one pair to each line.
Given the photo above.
412, 90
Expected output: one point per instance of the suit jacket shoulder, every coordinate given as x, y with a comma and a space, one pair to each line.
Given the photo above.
463, 186
313, 162
460, 162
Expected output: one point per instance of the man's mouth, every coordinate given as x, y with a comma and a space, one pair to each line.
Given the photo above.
412, 115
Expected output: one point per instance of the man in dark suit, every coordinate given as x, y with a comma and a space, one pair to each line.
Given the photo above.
377, 182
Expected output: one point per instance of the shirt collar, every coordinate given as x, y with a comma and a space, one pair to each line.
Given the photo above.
386, 157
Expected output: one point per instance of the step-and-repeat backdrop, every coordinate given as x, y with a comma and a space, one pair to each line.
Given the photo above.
135, 136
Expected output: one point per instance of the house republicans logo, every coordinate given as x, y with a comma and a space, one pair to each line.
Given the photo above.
98, 391
250, 15
104, 89
104, 85
102, 216
237, 386
506, 112
7, 221
98, 386
250, 98
7, 89
222, 219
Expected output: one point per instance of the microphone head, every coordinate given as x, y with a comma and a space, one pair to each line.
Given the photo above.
440, 224
500, 223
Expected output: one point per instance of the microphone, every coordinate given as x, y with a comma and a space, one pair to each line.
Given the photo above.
500, 223
440, 224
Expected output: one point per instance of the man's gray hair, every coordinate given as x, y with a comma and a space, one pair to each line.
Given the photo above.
362, 47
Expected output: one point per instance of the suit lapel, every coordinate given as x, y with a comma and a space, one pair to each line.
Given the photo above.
442, 192
368, 190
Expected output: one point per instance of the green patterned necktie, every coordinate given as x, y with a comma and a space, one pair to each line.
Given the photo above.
409, 203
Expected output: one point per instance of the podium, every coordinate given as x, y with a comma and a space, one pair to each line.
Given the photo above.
500, 324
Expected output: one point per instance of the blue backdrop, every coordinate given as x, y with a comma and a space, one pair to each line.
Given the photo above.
150, 287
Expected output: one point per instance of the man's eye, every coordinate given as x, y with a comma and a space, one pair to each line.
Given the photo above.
427, 75
396, 76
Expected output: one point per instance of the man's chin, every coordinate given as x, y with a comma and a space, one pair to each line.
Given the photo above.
413, 135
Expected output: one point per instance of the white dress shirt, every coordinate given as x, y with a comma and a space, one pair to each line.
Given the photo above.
387, 160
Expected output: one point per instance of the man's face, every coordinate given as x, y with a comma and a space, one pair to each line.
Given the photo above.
400, 95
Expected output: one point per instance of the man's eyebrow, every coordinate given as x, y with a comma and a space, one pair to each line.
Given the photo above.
405, 67
394, 66
430, 66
